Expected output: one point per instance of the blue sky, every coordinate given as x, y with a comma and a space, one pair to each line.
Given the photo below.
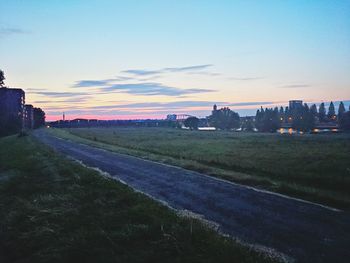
139, 59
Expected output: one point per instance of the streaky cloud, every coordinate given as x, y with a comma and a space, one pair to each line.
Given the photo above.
152, 88
189, 68
245, 78
145, 72
295, 86
59, 94
7, 31
254, 103
142, 72
90, 83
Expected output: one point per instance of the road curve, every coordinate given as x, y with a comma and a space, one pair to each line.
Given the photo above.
306, 232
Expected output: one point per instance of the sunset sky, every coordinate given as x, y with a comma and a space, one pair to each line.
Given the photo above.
146, 59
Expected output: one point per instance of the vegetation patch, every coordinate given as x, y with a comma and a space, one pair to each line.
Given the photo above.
313, 167
54, 210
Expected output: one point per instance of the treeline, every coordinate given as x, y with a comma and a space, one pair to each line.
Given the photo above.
302, 118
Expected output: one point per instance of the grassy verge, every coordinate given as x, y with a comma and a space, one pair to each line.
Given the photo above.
312, 167
54, 210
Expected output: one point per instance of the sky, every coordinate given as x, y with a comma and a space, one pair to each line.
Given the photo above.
145, 59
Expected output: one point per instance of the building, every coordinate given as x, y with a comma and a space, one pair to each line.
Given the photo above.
28, 116
11, 110
295, 104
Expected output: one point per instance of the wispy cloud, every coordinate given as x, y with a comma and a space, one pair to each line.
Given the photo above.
163, 105
7, 31
152, 88
189, 68
60, 94
176, 105
245, 78
295, 86
255, 103
90, 83
145, 72
142, 72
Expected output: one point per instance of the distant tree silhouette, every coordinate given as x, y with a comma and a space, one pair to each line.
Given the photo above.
331, 112
192, 123
224, 119
303, 119
341, 110
39, 118
281, 114
322, 112
248, 125
313, 110
267, 120
344, 121
2, 78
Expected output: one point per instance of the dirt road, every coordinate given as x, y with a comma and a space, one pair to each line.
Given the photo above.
304, 231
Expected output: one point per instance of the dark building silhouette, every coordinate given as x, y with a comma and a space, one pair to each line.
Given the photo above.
11, 110
28, 116
15, 116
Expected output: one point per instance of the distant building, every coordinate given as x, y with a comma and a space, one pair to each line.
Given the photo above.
11, 110
28, 116
295, 104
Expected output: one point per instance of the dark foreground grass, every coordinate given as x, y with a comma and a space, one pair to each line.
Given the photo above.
55, 210
312, 167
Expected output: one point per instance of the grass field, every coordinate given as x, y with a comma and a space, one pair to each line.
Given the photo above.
54, 210
312, 167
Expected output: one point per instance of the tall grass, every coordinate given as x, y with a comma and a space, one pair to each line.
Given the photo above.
315, 167
54, 210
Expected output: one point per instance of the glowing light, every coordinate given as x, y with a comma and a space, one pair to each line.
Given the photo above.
290, 131
48, 126
316, 130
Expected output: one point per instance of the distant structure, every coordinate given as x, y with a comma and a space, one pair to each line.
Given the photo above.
11, 110
28, 116
15, 116
63, 117
295, 104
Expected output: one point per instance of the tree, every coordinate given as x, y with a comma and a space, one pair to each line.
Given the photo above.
313, 110
248, 125
344, 121
322, 112
331, 112
304, 119
267, 120
341, 110
2, 78
192, 123
39, 118
224, 119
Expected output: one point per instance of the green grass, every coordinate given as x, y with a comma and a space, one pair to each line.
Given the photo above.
312, 167
55, 210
